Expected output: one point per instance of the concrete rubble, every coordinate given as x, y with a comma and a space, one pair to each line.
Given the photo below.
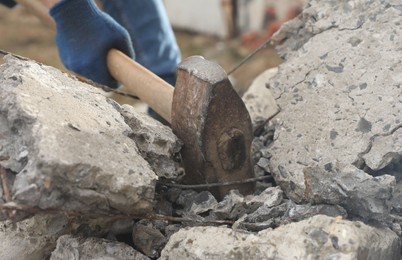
84, 170
339, 91
319, 237
33, 238
40, 134
69, 247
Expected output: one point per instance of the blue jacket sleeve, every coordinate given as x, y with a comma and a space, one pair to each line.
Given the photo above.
151, 33
8, 3
84, 36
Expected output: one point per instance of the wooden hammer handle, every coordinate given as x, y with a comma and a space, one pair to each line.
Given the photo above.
141, 82
137, 80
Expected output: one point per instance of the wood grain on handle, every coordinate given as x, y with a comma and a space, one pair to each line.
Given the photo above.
138, 80
141, 82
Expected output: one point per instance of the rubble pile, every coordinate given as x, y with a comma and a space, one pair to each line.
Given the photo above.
83, 177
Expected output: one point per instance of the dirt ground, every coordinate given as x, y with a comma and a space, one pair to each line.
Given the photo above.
23, 34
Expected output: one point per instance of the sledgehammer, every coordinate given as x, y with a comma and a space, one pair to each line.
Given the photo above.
204, 112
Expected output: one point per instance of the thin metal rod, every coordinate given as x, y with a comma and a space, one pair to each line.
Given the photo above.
219, 184
264, 45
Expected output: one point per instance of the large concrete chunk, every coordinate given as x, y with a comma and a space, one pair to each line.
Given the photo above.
259, 100
33, 238
69, 247
156, 142
319, 237
339, 91
67, 145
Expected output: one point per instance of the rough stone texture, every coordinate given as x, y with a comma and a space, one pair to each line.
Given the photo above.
77, 248
232, 206
270, 197
339, 91
275, 214
67, 144
359, 193
258, 99
147, 239
319, 237
156, 142
33, 238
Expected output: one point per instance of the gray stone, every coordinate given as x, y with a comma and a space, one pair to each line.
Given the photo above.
270, 197
202, 203
274, 215
264, 164
33, 238
384, 149
359, 193
258, 99
79, 248
156, 142
264, 217
148, 240
186, 198
67, 144
232, 206
319, 237
299, 212
339, 91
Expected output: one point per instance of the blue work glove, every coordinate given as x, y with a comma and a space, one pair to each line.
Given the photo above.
85, 34
8, 3
153, 38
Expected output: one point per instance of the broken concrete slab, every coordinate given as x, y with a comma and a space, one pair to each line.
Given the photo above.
33, 238
360, 194
339, 91
70, 247
319, 237
67, 145
259, 100
156, 142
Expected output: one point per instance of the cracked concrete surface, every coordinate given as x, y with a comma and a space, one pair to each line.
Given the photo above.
340, 94
68, 146
319, 237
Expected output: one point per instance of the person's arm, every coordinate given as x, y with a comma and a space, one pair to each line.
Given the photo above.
8, 3
84, 36
151, 32
11, 3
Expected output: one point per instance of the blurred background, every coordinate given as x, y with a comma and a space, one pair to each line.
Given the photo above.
224, 31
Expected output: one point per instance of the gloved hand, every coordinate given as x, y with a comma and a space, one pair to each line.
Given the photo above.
85, 34
8, 3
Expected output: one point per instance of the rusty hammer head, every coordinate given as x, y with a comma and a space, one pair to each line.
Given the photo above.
215, 126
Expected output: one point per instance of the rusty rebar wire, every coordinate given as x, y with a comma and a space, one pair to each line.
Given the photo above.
71, 213
263, 46
218, 184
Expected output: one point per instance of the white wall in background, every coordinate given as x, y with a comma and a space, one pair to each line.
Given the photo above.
203, 16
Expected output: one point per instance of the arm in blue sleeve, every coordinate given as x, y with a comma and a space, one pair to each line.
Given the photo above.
84, 36
8, 3
151, 33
